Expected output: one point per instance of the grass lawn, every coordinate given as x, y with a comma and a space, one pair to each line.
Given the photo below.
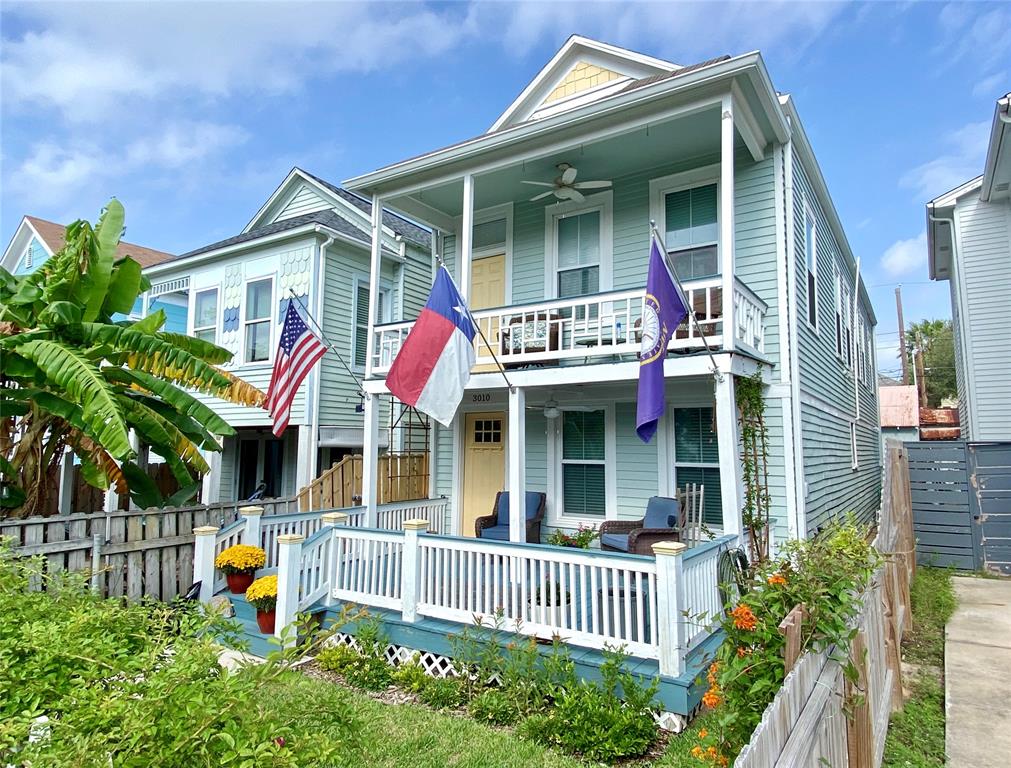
916, 734
414, 736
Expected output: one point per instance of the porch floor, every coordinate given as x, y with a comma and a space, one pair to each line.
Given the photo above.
681, 695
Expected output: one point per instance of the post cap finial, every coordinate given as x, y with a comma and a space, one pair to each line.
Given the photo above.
669, 548
205, 530
416, 524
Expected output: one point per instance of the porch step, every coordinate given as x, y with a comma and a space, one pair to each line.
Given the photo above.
244, 614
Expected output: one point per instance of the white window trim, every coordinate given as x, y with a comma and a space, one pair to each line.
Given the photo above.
811, 248
556, 512
854, 450
662, 186
271, 319
385, 287
602, 202
191, 320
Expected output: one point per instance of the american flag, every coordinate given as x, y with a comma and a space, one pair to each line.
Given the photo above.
297, 353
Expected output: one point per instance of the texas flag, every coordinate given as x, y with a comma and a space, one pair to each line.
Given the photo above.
433, 366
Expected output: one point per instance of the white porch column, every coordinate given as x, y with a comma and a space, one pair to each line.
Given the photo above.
289, 562
66, 487
305, 459
466, 237
251, 533
211, 489
204, 539
377, 261
727, 219
730, 460
670, 602
370, 461
517, 465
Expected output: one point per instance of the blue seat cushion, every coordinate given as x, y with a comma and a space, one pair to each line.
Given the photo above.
661, 512
496, 532
615, 541
533, 501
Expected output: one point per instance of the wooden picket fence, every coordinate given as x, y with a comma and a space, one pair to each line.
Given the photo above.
402, 477
133, 554
819, 718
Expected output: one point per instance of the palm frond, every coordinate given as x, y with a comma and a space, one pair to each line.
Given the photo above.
156, 430
103, 256
179, 399
100, 461
209, 353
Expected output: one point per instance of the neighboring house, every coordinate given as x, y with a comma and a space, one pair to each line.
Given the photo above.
900, 412
310, 240
35, 240
969, 245
720, 160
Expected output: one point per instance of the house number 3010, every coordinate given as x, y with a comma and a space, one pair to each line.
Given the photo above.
481, 398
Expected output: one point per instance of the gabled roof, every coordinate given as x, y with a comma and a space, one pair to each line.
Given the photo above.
53, 237
940, 238
609, 67
997, 168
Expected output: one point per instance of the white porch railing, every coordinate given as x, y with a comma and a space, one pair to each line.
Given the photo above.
702, 588
392, 516
583, 327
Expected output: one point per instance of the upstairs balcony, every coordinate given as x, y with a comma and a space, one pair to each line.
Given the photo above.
602, 327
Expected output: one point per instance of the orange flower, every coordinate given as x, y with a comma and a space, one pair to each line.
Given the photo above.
724, 761
742, 652
712, 751
697, 752
711, 675
712, 698
703, 733
744, 618
776, 579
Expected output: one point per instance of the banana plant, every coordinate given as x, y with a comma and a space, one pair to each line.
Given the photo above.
72, 377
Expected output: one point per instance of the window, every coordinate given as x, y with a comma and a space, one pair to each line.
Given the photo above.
360, 340
489, 233
205, 315
811, 256
837, 280
488, 431
692, 231
583, 465
578, 254
258, 319
697, 457
30, 256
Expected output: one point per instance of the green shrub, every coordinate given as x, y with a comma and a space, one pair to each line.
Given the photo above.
493, 706
411, 676
139, 684
443, 693
337, 658
370, 673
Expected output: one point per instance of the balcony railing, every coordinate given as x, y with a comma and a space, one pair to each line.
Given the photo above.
602, 325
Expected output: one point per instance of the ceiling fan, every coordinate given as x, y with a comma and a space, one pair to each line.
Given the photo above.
565, 186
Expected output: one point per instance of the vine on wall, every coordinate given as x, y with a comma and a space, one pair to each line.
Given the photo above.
755, 463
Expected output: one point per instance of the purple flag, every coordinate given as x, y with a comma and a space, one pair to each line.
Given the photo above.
663, 311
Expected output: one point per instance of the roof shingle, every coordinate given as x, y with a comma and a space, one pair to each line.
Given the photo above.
55, 236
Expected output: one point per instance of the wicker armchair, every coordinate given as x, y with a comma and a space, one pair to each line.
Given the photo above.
496, 525
536, 325
638, 536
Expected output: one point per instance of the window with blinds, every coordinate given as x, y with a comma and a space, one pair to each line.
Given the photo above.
583, 471
697, 457
692, 231
489, 234
360, 337
578, 254
811, 259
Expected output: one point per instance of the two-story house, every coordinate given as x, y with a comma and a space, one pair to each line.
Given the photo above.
310, 242
544, 221
969, 245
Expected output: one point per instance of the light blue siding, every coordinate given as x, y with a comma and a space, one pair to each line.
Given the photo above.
636, 475
33, 258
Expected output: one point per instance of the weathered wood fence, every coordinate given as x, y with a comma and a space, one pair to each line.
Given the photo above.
402, 477
818, 718
140, 553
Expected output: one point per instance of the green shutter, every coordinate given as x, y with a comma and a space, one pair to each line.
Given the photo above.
361, 323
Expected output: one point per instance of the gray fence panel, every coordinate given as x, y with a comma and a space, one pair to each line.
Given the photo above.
940, 492
990, 480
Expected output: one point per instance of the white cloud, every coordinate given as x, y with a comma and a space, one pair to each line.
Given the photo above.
906, 256
994, 86
963, 152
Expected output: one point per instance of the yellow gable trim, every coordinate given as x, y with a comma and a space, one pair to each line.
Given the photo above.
581, 77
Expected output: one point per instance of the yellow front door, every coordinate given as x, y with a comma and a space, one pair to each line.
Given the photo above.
483, 466
487, 289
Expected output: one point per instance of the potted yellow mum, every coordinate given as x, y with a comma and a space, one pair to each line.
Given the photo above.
262, 595
239, 564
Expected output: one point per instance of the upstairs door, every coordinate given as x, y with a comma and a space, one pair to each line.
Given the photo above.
487, 289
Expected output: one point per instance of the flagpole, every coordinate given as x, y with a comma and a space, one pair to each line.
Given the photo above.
477, 326
691, 310
330, 345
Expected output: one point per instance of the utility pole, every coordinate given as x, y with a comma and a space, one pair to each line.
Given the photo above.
902, 336
921, 379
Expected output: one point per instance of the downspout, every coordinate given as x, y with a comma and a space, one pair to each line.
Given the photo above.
317, 381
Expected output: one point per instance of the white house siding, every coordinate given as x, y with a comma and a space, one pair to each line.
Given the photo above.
831, 488
305, 200
984, 262
961, 381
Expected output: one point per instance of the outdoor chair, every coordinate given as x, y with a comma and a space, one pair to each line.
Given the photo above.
530, 332
638, 536
691, 498
496, 525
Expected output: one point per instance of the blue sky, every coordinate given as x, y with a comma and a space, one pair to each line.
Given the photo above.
191, 114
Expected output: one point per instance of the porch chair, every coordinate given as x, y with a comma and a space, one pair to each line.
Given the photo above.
638, 536
496, 525
690, 523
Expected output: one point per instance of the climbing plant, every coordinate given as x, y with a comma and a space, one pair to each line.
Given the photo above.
755, 462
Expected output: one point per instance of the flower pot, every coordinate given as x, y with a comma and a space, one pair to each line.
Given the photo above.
265, 621
239, 582
552, 616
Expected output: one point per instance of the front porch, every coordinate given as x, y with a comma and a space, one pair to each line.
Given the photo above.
428, 588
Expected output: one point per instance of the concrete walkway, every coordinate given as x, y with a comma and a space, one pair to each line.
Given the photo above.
977, 662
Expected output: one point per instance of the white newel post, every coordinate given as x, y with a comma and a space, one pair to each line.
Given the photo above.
370, 461
332, 520
251, 533
289, 562
670, 598
204, 539
410, 569
517, 465
727, 221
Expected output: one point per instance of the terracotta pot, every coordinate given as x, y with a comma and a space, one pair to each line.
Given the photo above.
238, 583
265, 621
